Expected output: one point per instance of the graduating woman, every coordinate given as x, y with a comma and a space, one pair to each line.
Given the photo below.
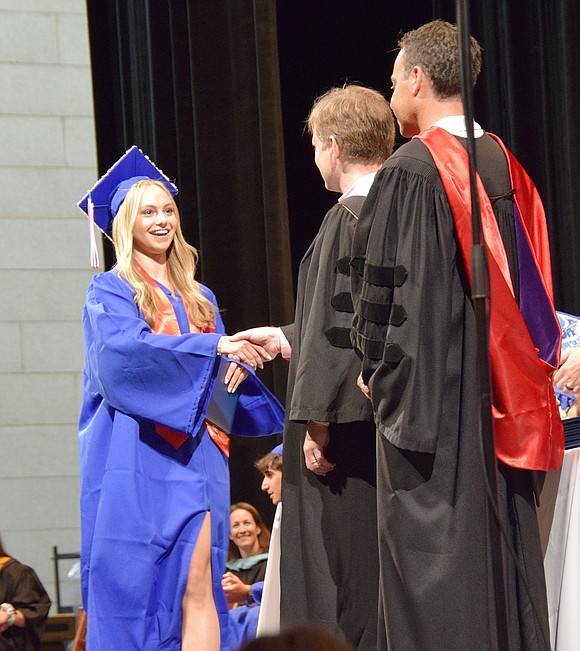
154, 470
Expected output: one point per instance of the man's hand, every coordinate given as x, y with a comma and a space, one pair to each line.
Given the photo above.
243, 350
363, 387
268, 337
317, 438
567, 377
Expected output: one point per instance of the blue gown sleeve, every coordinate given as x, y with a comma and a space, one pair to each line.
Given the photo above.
162, 378
257, 589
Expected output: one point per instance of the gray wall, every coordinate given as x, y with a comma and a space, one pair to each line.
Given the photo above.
47, 162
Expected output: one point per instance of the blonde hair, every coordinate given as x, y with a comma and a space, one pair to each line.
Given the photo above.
181, 261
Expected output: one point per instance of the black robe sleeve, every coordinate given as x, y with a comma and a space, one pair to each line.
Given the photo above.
324, 368
20, 586
288, 331
409, 302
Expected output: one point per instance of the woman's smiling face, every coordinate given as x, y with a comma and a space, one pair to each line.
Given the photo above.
244, 532
155, 225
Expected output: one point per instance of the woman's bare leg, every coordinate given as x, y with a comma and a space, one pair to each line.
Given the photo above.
201, 631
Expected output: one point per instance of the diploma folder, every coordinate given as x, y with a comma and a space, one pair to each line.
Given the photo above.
222, 406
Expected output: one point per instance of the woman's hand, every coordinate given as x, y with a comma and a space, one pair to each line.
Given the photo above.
16, 618
235, 589
3, 621
234, 376
243, 350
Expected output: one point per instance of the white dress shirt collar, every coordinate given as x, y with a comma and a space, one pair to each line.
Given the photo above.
455, 124
360, 188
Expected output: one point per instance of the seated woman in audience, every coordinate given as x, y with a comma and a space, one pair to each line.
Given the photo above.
24, 605
248, 554
246, 568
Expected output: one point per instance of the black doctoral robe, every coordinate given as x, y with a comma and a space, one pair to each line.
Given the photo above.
21, 587
252, 574
415, 328
329, 558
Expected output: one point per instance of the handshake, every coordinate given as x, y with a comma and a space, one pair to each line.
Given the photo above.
252, 347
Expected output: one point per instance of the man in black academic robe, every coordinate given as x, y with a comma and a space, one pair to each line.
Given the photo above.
416, 333
329, 556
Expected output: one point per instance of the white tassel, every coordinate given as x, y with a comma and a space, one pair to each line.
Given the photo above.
92, 237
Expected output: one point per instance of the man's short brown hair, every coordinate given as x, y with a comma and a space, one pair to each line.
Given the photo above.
270, 461
359, 118
434, 47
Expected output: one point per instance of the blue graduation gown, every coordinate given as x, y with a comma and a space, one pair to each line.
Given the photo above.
142, 501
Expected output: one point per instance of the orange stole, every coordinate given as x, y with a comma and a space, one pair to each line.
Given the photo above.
527, 426
166, 323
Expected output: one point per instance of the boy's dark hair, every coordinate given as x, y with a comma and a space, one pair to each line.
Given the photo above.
270, 461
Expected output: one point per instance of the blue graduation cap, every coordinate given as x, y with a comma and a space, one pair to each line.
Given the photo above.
102, 201
278, 449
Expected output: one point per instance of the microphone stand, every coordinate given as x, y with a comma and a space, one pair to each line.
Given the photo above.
480, 299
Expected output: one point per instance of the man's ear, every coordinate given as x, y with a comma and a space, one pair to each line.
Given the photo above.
336, 147
418, 79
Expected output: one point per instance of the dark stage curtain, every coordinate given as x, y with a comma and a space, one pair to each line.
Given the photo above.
195, 85
530, 95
